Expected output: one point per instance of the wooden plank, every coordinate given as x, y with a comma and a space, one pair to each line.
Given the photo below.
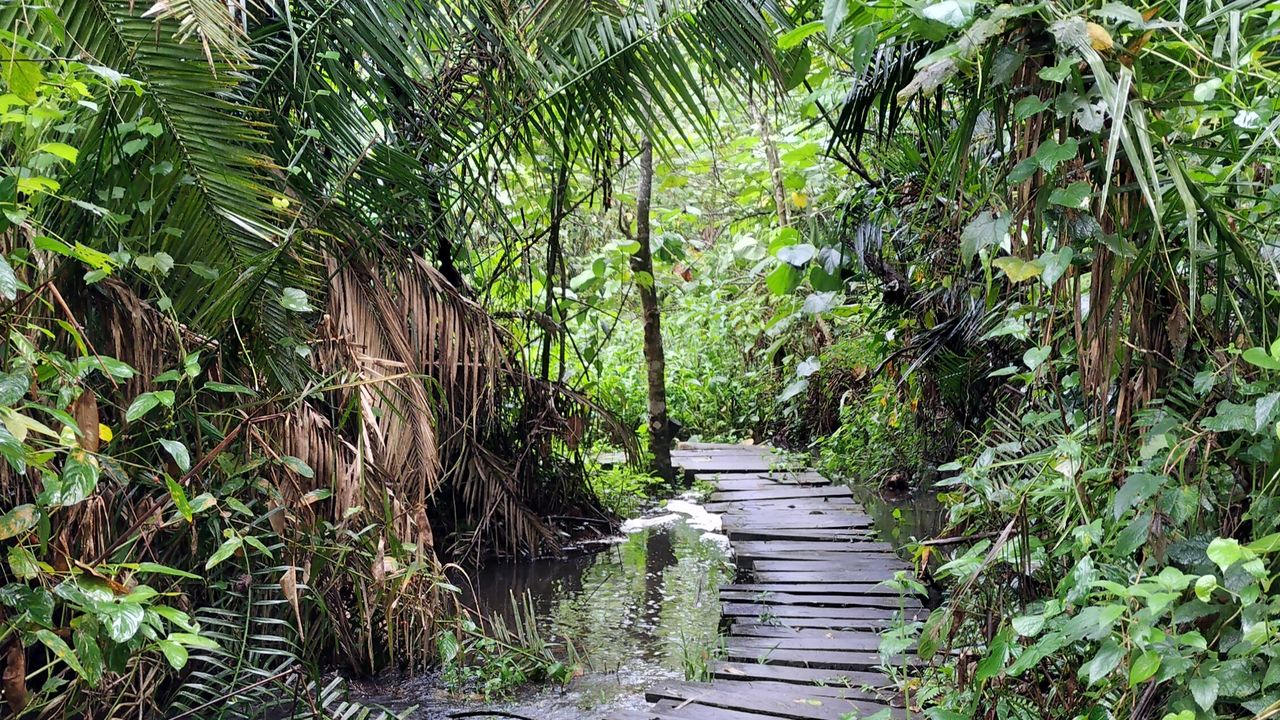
798, 675
867, 588
887, 562
674, 710
758, 482
785, 505
843, 642
849, 534
801, 547
782, 493
753, 609
796, 521
830, 576
826, 659
750, 627
773, 598
792, 704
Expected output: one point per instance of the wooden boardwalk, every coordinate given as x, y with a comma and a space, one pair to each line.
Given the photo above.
804, 618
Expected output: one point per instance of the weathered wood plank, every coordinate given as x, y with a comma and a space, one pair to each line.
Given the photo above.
864, 588
792, 704
772, 598
801, 676
782, 493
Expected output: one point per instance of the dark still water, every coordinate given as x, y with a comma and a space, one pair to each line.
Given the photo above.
643, 610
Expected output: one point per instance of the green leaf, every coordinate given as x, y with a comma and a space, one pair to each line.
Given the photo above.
1076, 195
1260, 358
18, 521
141, 405
121, 619
1028, 106
1055, 265
1050, 154
1143, 667
1035, 357
1205, 692
90, 656
178, 452
1205, 585
195, 641
161, 262
224, 551
298, 466
23, 563
985, 230
179, 498
1225, 552
797, 35
62, 150
8, 281
18, 72
783, 279
834, 13
1016, 268
1104, 662
1028, 625
292, 298
226, 388
61, 650
13, 388
150, 567
174, 653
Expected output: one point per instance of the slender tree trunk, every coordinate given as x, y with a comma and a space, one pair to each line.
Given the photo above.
642, 266
765, 127
555, 261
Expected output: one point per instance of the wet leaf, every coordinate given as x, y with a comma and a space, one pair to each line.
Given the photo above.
18, 521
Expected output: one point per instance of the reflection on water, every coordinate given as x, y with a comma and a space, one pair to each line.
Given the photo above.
903, 516
637, 613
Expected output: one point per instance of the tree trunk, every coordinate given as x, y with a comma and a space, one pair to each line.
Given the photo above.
764, 125
642, 267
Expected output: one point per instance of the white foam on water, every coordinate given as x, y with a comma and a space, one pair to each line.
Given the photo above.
638, 524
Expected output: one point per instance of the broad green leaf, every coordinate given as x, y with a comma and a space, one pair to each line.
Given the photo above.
1106, 660
62, 150
797, 35
121, 619
834, 13
1260, 358
298, 465
1055, 265
1225, 552
8, 281
985, 230
60, 650
224, 551
19, 72
294, 299
23, 563
90, 656
1028, 106
141, 405
783, 279
13, 388
1205, 692
1050, 154
18, 521
178, 452
174, 653
1143, 667
1076, 195
1028, 625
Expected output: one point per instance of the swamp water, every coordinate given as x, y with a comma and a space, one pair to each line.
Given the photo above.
641, 611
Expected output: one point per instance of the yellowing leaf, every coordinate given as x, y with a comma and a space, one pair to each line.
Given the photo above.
1099, 38
800, 200
104, 433
282, 203
1017, 269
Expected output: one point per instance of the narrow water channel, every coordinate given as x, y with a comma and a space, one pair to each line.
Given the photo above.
642, 611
